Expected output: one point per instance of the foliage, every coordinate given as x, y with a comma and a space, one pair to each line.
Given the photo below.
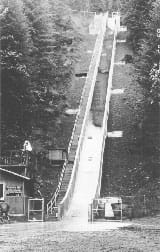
99, 6
16, 47
155, 84
38, 45
143, 21
82, 5
137, 15
89, 5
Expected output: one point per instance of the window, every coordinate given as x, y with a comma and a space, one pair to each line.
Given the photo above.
1, 191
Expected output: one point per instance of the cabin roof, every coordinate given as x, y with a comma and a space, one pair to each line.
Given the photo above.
14, 173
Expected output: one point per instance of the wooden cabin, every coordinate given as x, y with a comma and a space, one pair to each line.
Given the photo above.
15, 184
57, 156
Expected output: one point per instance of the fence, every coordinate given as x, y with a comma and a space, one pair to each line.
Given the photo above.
128, 207
14, 157
109, 208
85, 13
142, 205
35, 209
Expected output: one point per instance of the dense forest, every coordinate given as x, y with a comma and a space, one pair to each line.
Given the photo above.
143, 21
39, 43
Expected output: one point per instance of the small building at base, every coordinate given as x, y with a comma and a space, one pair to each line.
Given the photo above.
15, 189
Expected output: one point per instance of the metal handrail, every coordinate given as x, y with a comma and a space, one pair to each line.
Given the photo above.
14, 158
52, 203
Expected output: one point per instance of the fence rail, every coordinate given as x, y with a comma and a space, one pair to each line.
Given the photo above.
137, 206
14, 157
142, 205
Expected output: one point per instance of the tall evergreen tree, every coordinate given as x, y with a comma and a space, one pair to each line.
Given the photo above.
151, 53
137, 14
16, 46
147, 61
53, 37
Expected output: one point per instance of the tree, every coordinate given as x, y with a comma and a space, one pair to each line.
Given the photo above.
38, 51
143, 21
137, 15
155, 84
54, 38
98, 6
82, 5
153, 43
16, 46
147, 65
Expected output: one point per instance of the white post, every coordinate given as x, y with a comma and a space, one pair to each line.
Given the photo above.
51, 206
28, 207
121, 211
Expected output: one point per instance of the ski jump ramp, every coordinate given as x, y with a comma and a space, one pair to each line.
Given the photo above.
85, 181
88, 172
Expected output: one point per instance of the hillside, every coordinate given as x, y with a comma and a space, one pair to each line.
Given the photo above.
130, 163
47, 175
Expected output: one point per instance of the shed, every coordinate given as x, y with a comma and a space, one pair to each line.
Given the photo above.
57, 156
15, 190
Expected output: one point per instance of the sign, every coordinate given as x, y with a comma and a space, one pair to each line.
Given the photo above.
158, 33
13, 188
10, 190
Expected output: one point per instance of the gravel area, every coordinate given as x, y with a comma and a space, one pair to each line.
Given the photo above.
141, 235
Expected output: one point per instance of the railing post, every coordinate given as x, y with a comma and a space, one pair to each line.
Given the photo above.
51, 206
55, 200
145, 207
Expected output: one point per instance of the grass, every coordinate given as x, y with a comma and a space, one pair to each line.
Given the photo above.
128, 161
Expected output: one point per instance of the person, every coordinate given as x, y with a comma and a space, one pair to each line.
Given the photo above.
27, 146
4, 209
108, 210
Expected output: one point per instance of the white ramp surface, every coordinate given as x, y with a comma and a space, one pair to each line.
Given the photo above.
88, 173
